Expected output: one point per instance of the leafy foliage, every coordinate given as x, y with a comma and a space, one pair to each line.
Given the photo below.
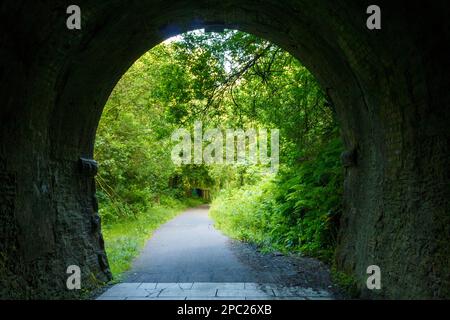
226, 80
296, 211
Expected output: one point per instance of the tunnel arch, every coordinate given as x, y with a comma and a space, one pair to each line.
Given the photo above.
389, 89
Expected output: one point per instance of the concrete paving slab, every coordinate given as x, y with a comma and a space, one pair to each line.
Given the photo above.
212, 291
243, 293
171, 285
187, 293
221, 286
147, 286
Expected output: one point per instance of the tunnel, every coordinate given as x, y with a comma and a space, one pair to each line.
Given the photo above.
389, 87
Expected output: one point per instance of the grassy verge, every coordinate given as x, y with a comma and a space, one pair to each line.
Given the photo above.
124, 240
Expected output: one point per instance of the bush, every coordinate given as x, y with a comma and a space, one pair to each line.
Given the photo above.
297, 211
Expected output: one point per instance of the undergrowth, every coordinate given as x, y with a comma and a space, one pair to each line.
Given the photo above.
297, 211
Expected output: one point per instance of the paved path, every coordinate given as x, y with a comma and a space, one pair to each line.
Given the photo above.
189, 249
187, 258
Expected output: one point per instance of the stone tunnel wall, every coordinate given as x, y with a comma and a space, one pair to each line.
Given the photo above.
389, 87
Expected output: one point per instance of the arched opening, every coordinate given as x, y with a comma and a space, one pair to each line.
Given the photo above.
277, 184
388, 87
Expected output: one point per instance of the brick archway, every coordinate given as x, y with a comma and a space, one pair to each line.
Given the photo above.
389, 87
